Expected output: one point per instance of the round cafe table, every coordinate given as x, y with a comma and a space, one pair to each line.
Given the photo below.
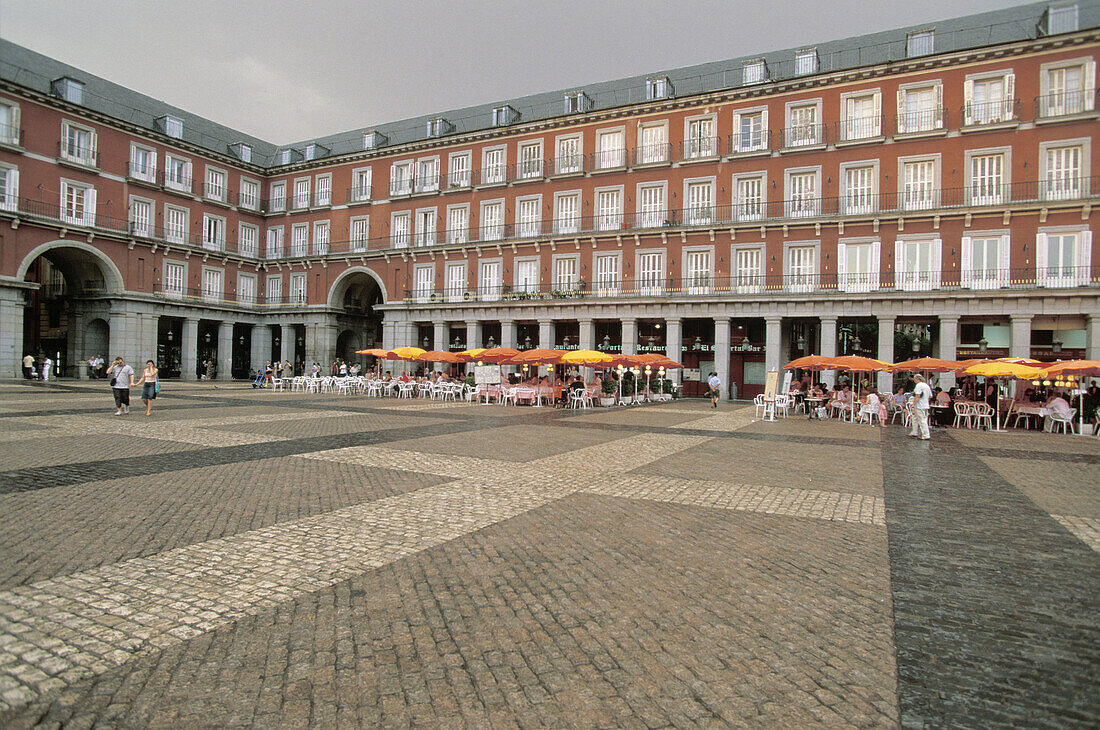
812, 405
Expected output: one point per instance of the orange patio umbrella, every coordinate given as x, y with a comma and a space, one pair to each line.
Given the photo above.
496, 355
439, 356
1072, 367
536, 356
810, 362
858, 364
472, 354
407, 353
926, 364
375, 352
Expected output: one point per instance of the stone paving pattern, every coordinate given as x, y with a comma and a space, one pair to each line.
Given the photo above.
244, 558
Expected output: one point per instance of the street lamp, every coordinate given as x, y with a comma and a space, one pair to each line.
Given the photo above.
606, 342
916, 345
619, 370
490, 343
856, 344
426, 343
647, 372
801, 343
527, 342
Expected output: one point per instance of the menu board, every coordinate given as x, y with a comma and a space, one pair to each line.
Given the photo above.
771, 384
487, 375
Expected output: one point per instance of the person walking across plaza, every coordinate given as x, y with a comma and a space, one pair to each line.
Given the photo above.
121, 378
922, 401
28, 367
149, 385
47, 363
715, 383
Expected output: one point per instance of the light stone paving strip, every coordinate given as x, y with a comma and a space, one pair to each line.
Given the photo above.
1085, 529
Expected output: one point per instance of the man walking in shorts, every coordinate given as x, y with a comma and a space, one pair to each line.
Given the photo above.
715, 384
122, 377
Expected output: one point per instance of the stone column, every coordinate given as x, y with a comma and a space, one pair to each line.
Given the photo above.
722, 354
389, 329
148, 339
11, 333
546, 334
587, 334
674, 345
261, 346
190, 350
828, 347
473, 334
1021, 335
885, 350
225, 351
327, 335
289, 341
773, 331
439, 335
630, 336
1092, 337
947, 346
507, 333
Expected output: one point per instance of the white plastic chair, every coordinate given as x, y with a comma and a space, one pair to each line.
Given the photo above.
964, 415
983, 414
869, 413
276, 384
374, 389
1065, 423
405, 390
578, 398
783, 404
761, 406
507, 394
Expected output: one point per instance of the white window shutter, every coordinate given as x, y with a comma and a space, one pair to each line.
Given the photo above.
15, 129
968, 101
1084, 259
737, 133
938, 101
876, 259
937, 262
901, 112
899, 264
764, 128
1010, 96
842, 267
1090, 85
877, 126
89, 207
12, 192
1041, 259
966, 263
1004, 275
92, 147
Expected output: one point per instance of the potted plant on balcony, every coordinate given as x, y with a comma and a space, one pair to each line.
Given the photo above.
609, 389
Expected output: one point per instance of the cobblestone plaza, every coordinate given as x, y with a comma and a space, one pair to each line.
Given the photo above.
258, 559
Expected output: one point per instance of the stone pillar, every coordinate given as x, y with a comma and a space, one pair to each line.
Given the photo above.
947, 346
289, 341
722, 354
1092, 337
11, 333
630, 336
261, 346
546, 334
225, 351
389, 328
150, 324
674, 345
439, 335
327, 334
828, 347
507, 333
885, 350
587, 334
1021, 335
773, 331
190, 350
473, 334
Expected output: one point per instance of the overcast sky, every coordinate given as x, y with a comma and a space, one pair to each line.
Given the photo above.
289, 71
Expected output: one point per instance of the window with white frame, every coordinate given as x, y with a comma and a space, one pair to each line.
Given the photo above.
748, 272
529, 217
1061, 18
658, 88
427, 175
174, 276
1063, 171
274, 293
9, 188
1067, 87
299, 240
425, 227
804, 124
526, 276
1063, 258
177, 173
748, 190
493, 166
697, 271
919, 183
492, 220
143, 163
213, 232
857, 265
246, 288
175, 224
750, 130
917, 264
567, 212
568, 157
754, 72
654, 143
988, 178
989, 98
458, 223
250, 194
530, 160
10, 132
401, 178
920, 108
248, 239
275, 242
607, 278
801, 268
278, 196
610, 149
455, 282
651, 273
213, 284
566, 273
862, 115
458, 170
985, 261
609, 209
700, 202
320, 237
700, 139
359, 232
651, 206
322, 192
141, 217
360, 185
859, 188
78, 144
802, 193
298, 289
920, 43
215, 189
490, 281
400, 230
301, 193
805, 62
423, 282
77, 203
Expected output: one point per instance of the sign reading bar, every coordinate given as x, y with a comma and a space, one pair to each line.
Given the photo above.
487, 375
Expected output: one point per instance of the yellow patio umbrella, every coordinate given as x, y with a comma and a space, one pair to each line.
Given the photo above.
407, 353
1001, 369
471, 354
586, 357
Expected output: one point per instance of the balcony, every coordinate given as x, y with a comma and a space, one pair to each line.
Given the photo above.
275, 205
984, 114
322, 198
142, 173
922, 121
215, 192
803, 136
858, 129
1065, 104
492, 175
653, 154
401, 187
426, 183
748, 142
608, 160
178, 183
529, 170
75, 154
458, 179
358, 194
567, 165
11, 135
700, 148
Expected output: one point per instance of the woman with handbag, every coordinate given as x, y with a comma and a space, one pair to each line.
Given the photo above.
150, 385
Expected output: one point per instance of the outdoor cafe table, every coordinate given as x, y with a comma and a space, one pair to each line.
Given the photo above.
812, 405
1033, 411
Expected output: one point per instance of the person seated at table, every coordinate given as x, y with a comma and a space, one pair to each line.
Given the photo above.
804, 384
942, 397
1058, 406
899, 397
597, 384
871, 403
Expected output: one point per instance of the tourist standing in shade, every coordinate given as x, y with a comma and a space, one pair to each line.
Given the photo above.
122, 378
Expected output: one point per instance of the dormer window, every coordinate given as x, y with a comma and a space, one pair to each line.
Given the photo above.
658, 87
374, 140
577, 102
805, 62
242, 151
439, 126
1061, 19
172, 126
315, 151
920, 43
68, 89
282, 157
504, 115
755, 71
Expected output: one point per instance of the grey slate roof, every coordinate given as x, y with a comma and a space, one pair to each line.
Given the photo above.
25, 67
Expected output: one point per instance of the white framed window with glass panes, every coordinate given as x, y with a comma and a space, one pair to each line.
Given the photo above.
454, 281
529, 216
359, 233
700, 137
143, 163
400, 229
566, 272
920, 107
698, 268
427, 174
649, 276
985, 260
78, 203
699, 195
490, 280
298, 294
749, 195
801, 260
525, 278
322, 190
423, 282
9, 187
213, 232
275, 242
458, 170
213, 284
492, 220
652, 143
177, 173
1064, 169
567, 212
1067, 87
857, 264
458, 223
360, 191
803, 186
248, 239
141, 217
804, 126
299, 240
917, 263
920, 43
609, 208
78, 144
607, 276
274, 292
859, 195
175, 224
250, 193
401, 178
861, 115
214, 188
301, 201
277, 197
321, 230
175, 278
748, 268
10, 130
988, 176
246, 288
425, 228
920, 182
750, 130
610, 149
652, 210
568, 155
530, 160
494, 162
1063, 257
989, 98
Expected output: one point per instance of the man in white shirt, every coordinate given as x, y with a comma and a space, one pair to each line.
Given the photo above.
922, 399
715, 383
